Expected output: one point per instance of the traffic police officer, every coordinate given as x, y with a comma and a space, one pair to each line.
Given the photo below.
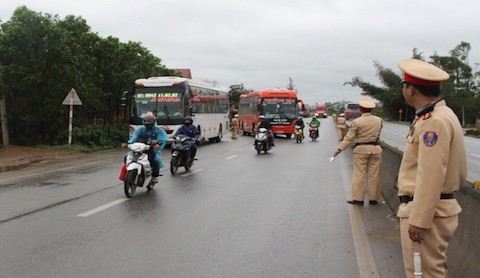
365, 132
235, 126
341, 125
433, 168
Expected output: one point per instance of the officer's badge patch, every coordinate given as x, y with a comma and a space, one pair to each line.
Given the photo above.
430, 138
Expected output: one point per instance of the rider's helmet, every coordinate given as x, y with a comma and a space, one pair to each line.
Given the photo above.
261, 117
341, 115
236, 115
188, 120
314, 117
149, 120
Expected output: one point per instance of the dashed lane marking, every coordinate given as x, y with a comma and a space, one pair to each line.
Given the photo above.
231, 157
102, 207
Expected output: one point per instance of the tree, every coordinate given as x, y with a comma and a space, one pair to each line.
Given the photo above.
234, 96
462, 87
390, 94
290, 85
42, 57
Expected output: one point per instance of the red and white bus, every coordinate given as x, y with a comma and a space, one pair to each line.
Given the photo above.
279, 106
172, 98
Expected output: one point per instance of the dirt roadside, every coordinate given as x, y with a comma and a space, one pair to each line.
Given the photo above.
16, 157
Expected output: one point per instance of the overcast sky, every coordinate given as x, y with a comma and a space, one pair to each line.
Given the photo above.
320, 44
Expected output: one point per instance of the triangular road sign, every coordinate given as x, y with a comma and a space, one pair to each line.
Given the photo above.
72, 98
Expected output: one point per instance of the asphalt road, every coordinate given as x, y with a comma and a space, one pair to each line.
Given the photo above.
234, 214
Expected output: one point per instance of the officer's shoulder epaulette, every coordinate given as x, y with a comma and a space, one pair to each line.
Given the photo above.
427, 116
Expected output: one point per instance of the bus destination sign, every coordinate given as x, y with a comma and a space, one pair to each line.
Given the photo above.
279, 100
159, 97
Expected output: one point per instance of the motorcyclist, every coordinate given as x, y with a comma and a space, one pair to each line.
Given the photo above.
152, 134
188, 129
315, 123
266, 124
300, 123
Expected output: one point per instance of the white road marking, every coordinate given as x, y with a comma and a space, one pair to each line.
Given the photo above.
365, 260
191, 173
231, 157
103, 207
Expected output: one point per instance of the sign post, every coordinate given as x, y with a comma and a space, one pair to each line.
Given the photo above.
71, 99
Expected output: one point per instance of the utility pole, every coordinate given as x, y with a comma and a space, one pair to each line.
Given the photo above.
3, 119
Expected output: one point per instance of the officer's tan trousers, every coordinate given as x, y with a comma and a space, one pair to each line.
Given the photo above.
234, 132
432, 249
340, 133
366, 167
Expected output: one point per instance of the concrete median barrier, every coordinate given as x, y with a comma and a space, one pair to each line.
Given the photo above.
463, 250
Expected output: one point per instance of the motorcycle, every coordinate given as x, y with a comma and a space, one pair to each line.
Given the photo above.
298, 131
181, 153
313, 131
138, 169
261, 141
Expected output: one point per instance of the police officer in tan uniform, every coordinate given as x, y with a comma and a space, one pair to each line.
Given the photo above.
365, 132
433, 168
235, 126
341, 125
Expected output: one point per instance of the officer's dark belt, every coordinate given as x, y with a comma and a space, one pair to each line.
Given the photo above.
406, 198
367, 143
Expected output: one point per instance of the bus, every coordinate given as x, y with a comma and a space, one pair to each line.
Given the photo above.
279, 106
172, 98
302, 108
321, 110
352, 111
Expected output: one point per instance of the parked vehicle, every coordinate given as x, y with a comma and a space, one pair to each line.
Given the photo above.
261, 141
138, 169
181, 154
352, 111
313, 132
298, 131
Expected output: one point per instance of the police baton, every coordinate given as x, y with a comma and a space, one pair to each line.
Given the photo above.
417, 265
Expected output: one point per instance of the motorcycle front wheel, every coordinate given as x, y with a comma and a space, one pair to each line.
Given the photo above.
188, 165
174, 165
129, 185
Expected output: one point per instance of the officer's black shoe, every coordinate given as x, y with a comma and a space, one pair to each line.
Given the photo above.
373, 202
355, 202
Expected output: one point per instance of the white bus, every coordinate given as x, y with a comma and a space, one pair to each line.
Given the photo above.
172, 98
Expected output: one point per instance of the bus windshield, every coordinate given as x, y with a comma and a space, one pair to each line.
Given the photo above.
165, 102
275, 108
